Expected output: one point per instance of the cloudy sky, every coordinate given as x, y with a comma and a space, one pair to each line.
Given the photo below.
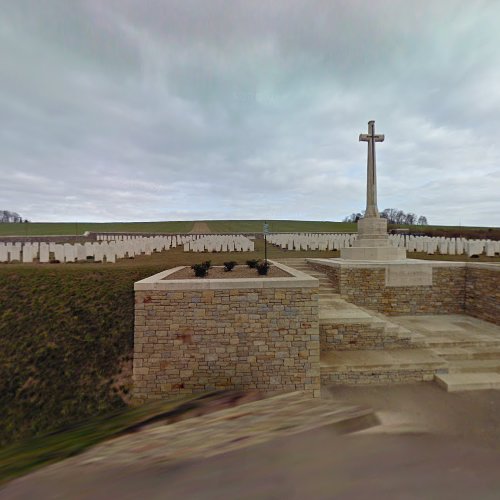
207, 109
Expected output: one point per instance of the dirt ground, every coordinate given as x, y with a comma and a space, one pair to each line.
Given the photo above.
200, 228
472, 416
431, 445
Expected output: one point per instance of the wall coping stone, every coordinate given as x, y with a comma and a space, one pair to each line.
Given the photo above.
409, 262
298, 279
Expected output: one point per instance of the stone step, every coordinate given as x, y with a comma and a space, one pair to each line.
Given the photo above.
435, 343
463, 353
370, 360
454, 382
474, 366
379, 366
452, 353
493, 353
331, 318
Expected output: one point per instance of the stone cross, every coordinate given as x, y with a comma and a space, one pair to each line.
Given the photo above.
371, 182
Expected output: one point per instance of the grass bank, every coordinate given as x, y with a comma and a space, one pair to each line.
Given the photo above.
64, 333
78, 228
27, 455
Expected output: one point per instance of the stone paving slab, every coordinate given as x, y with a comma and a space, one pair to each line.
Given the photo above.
227, 430
474, 365
453, 326
454, 382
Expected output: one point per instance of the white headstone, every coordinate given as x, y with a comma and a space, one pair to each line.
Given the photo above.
44, 252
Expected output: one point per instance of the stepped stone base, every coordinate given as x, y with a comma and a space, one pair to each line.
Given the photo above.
379, 253
373, 243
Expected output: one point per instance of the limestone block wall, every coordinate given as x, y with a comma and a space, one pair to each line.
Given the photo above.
482, 292
333, 274
378, 376
198, 335
366, 286
349, 336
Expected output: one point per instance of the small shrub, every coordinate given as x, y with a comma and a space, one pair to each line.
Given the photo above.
207, 264
252, 264
263, 268
229, 266
200, 270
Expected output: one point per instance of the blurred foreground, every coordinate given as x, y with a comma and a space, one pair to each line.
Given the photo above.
431, 444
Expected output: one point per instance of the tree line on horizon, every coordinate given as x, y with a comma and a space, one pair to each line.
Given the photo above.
393, 216
8, 216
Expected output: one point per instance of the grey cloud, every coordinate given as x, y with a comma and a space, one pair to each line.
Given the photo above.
125, 110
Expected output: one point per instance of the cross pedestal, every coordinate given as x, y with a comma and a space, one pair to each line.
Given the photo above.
373, 240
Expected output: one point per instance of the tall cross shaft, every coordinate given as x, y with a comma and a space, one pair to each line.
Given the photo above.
371, 182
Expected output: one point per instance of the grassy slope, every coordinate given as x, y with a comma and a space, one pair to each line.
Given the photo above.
75, 228
22, 457
63, 333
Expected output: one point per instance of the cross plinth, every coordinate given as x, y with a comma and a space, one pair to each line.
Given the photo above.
371, 181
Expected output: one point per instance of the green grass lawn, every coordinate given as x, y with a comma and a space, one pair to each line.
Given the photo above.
78, 228
292, 226
223, 226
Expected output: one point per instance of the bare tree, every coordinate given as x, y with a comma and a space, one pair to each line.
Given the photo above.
394, 216
354, 217
7, 216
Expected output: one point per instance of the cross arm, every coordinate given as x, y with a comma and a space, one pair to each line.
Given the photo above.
369, 137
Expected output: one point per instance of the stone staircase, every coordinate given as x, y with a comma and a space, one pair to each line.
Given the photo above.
469, 346
361, 346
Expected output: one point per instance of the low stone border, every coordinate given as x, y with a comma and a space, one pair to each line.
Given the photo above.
297, 279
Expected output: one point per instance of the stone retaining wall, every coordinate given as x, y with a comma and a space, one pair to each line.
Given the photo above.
377, 377
343, 336
482, 292
366, 285
196, 335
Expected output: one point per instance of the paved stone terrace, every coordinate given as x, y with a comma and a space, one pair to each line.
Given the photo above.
470, 347
402, 348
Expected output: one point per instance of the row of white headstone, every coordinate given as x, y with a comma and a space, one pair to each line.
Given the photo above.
220, 243
111, 247
311, 241
102, 251
174, 239
425, 244
446, 246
